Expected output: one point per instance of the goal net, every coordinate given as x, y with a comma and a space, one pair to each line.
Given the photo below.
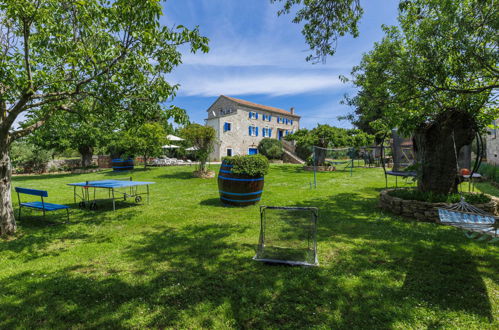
288, 235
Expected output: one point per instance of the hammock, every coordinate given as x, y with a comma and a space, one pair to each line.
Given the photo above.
475, 222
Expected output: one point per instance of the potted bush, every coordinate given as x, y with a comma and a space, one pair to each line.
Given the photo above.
241, 179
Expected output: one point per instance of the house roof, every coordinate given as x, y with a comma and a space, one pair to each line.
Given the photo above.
259, 106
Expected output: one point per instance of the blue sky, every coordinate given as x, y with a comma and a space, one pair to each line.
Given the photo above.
260, 57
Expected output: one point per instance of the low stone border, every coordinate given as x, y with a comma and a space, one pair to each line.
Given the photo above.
88, 170
424, 211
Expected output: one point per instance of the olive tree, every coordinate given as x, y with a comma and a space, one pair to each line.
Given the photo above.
434, 78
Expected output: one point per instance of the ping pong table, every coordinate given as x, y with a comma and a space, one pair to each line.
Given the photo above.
123, 188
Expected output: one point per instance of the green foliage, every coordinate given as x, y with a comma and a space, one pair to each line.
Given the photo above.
115, 52
325, 22
325, 136
489, 171
411, 194
271, 148
442, 58
146, 141
252, 165
28, 158
201, 137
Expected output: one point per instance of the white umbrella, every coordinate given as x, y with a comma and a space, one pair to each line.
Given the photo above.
192, 149
173, 138
169, 146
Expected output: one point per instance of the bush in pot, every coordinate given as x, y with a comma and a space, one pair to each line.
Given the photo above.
241, 179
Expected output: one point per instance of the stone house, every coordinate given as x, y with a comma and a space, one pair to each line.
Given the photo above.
492, 143
240, 125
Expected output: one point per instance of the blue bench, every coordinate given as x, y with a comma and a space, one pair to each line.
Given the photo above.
43, 206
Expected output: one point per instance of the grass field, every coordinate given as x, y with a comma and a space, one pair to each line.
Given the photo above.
185, 261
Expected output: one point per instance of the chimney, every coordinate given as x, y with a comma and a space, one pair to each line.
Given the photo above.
292, 110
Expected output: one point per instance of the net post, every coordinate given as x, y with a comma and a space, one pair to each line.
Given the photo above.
315, 167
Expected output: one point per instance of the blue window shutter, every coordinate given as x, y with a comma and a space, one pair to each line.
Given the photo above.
291, 121
250, 114
270, 132
256, 115
270, 117
249, 127
256, 134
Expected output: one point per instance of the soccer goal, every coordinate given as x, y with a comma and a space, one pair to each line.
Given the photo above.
288, 235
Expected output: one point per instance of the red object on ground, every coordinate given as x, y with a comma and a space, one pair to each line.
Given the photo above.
465, 171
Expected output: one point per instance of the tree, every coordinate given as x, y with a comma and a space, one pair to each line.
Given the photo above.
271, 148
146, 140
434, 79
323, 136
202, 138
56, 53
325, 21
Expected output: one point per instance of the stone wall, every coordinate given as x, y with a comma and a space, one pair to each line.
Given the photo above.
424, 211
492, 142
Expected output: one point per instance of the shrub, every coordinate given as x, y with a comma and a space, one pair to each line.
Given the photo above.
271, 148
27, 158
252, 165
411, 194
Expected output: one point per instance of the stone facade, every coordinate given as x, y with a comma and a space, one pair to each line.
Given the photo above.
236, 113
424, 211
493, 145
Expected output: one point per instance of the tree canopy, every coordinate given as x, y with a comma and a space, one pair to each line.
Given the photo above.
443, 57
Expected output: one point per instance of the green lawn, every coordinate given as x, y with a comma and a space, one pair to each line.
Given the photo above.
185, 261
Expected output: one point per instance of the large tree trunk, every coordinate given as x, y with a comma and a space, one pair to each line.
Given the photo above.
7, 220
437, 146
86, 155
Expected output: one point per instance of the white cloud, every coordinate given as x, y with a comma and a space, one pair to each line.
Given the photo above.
270, 84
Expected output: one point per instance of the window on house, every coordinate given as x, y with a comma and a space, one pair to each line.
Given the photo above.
229, 152
252, 151
270, 117
291, 121
227, 127
253, 131
266, 132
253, 115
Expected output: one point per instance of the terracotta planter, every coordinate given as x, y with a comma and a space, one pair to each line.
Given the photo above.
237, 189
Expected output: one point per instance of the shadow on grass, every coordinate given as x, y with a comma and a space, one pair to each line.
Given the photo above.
203, 276
183, 175
38, 233
214, 202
